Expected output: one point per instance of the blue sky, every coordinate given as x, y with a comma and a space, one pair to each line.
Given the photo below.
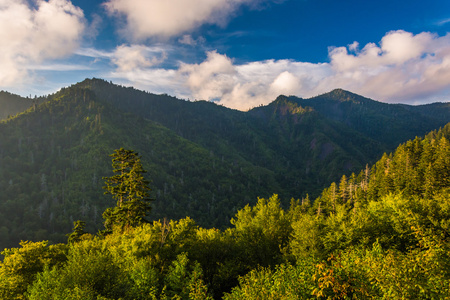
239, 53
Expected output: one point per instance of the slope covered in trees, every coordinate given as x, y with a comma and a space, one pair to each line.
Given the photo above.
373, 237
390, 124
52, 161
11, 104
204, 161
285, 145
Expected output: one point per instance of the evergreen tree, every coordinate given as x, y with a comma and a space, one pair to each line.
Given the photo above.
129, 187
78, 232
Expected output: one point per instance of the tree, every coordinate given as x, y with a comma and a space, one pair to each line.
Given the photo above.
21, 265
129, 187
77, 233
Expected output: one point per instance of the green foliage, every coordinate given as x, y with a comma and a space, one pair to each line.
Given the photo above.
205, 161
374, 273
77, 233
182, 283
21, 265
306, 237
114, 268
178, 260
129, 187
90, 271
285, 282
381, 234
128, 184
262, 232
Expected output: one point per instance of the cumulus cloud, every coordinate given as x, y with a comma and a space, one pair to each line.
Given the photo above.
212, 78
128, 58
247, 85
32, 34
402, 67
148, 18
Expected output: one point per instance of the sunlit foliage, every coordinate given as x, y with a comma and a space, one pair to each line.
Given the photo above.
375, 235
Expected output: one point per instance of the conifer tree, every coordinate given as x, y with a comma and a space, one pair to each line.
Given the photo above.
129, 187
78, 232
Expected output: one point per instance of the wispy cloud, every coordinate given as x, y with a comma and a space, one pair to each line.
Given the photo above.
187, 39
59, 67
94, 53
443, 22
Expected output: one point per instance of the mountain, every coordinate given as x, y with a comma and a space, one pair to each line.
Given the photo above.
11, 104
389, 124
203, 160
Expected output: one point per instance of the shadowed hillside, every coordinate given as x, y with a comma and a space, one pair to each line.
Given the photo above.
203, 160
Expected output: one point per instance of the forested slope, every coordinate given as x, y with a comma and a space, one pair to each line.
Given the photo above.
53, 160
375, 235
204, 160
11, 104
288, 143
390, 124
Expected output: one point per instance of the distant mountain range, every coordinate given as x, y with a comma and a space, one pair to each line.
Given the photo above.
204, 160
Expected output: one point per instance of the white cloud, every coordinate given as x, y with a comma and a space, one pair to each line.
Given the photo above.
354, 46
155, 80
128, 58
59, 67
187, 40
285, 83
32, 34
402, 68
166, 18
94, 53
212, 78
248, 85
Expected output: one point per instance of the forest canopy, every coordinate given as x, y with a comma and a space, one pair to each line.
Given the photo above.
381, 234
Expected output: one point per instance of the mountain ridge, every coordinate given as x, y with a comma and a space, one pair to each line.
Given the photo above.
204, 160
12, 104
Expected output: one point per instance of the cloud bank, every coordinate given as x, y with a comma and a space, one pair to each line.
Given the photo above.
167, 18
32, 34
402, 67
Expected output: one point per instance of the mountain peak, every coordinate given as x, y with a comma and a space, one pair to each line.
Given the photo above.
342, 95
282, 106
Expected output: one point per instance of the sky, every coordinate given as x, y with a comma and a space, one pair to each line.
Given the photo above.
237, 53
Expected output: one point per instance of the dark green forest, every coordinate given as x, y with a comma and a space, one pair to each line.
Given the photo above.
114, 193
383, 233
204, 161
11, 104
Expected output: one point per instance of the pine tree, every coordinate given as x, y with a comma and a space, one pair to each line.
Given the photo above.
129, 187
78, 232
